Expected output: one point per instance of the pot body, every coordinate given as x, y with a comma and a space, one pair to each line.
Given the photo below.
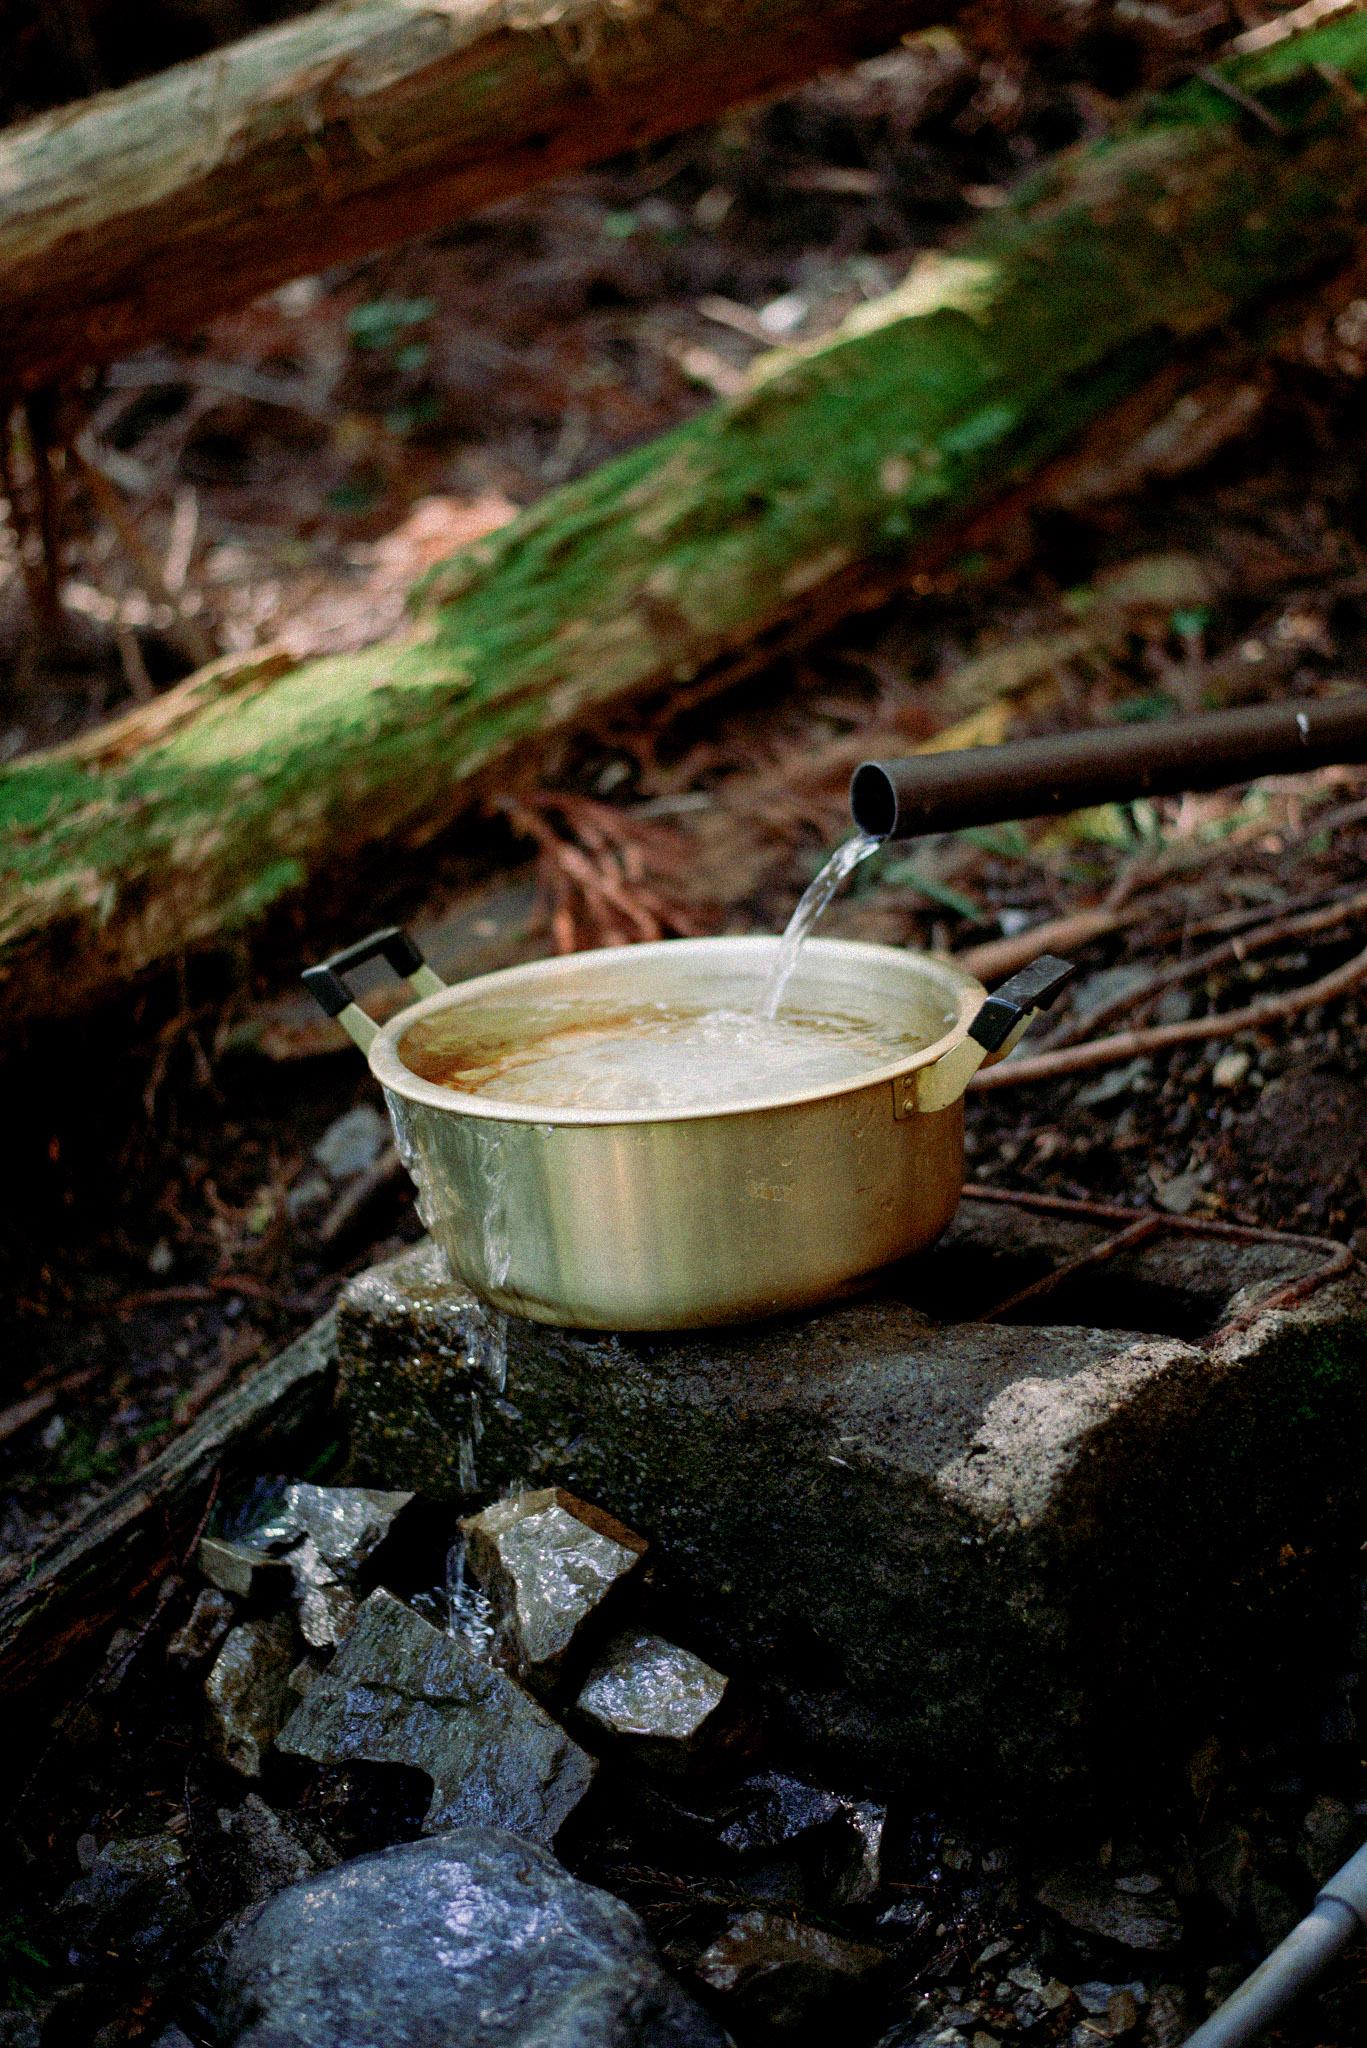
660, 1222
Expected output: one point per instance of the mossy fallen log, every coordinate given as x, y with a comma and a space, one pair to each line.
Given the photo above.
144, 211
769, 514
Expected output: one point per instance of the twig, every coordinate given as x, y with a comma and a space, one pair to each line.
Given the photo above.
1130, 1045
1056, 934
189, 637
1233, 951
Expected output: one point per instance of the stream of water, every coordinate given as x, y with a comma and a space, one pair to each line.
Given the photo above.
813, 901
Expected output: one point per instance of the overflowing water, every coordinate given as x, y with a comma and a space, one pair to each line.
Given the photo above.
812, 902
665, 1056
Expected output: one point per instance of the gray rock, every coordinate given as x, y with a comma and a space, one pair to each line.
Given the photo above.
548, 1563
1035, 1485
1146, 1920
345, 1524
241, 1569
203, 1629
353, 1143
320, 1536
1227, 1866
1330, 1832
326, 1608
771, 1811
248, 1690
270, 1851
861, 1869
470, 1940
132, 1909
1167, 2017
777, 1973
401, 1692
653, 1698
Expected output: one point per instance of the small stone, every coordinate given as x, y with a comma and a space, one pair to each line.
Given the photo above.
248, 1690
1053, 1993
773, 1810
1226, 1868
353, 1143
401, 1692
1275, 1912
781, 1974
239, 1569
653, 1697
270, 1852
346, 1524
1231, 1068
132, 1909
548, 1562
203, 1629
858, 1881
326, 1608
1166, 2019
304, 1673
471, 1940
1086, 1900
1330, 1831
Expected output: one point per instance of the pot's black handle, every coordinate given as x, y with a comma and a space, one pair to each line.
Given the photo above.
326, 982
1036, 987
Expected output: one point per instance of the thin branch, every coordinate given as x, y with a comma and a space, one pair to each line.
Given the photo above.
1232, 953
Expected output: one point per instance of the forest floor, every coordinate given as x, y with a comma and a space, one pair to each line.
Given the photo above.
166, 1224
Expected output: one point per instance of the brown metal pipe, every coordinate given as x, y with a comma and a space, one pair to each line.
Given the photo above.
1038, 778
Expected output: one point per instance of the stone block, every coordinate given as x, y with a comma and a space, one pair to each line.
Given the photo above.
1020, 1557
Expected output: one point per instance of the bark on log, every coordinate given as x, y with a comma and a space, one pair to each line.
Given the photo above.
145, 211
770, 514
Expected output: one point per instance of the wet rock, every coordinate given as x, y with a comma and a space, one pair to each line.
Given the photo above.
1135, 1912
353, 1143
326, 1608
1167, 2018
770, 1810
1112, 2011
132, 1909
548, 1562
248, 1690
1275, 1912
203, 1629
320, 1537
860, 1871
470, 1940
1330, 1833
1226, 1868
401, 1692
1074, 1613
345, 1524
270, 1851
655, 1699
776, 1973
240, 1569
340, 1528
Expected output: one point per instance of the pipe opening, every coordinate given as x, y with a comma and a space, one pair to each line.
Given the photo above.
873, 800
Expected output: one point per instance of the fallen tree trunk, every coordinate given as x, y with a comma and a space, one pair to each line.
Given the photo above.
770, 514
144, 211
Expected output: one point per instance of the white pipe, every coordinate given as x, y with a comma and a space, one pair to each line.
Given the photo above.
1339, 1912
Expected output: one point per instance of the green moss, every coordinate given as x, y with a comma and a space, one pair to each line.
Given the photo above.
985, 363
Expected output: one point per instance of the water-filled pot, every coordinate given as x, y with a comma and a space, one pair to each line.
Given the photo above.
649, 1219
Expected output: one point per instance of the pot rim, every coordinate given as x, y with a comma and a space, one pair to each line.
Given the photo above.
397, 1079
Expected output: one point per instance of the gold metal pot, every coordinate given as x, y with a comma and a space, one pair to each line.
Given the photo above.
642, 1220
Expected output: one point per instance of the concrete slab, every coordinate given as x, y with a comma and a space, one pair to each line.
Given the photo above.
994, 1563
